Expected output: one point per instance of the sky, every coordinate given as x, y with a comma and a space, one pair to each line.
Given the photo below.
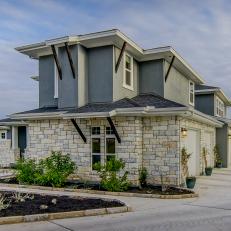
199, 30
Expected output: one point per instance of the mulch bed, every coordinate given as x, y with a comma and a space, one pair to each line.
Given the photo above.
149, 189
39, 204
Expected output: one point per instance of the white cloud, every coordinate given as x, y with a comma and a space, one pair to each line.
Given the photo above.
198, 30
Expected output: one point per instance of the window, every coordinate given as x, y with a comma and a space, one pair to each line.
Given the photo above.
109, 131
128, 72
191, 93
220, 108
110, 148
102, 145
95, 146
3, 135
56, 80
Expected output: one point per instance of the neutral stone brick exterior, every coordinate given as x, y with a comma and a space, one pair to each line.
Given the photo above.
7, 154
151, 142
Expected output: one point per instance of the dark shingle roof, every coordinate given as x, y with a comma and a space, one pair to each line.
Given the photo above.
40, 110
142, 100
205, 87
8, 120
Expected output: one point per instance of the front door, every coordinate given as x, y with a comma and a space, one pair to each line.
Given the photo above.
22, 141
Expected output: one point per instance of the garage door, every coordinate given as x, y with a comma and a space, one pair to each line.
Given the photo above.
209, 148
192, 145
229, 157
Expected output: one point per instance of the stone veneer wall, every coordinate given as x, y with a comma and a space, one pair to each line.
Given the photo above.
47, 135
151, 142
7, 155
161, 149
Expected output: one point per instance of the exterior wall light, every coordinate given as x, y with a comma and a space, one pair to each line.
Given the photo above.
184, 132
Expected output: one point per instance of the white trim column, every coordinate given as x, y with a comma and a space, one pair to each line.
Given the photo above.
14, 137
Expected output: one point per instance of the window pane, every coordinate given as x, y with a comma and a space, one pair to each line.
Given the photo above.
95, 159
191, 98
128, 78
95, 145
95, 130
109, 157
3, 135
110, 145
128, 62
109, 131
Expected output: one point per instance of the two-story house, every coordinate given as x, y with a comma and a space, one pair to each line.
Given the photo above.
102, 95
212, 101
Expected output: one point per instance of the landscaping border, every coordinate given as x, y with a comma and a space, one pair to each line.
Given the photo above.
62, 215
97, 192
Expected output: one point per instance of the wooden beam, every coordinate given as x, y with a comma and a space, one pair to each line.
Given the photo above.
56, 61
169, 68
70, 59
120, 56
79, 130
114, 129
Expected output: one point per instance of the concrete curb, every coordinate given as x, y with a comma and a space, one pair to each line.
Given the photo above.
63, 215
125, 194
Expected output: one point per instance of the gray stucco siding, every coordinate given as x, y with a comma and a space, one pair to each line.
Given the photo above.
151, 77
205, 103
100, 74
68, 86
176, 87
46, 82
222, 143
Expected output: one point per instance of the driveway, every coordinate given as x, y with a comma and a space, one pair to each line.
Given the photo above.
211, 211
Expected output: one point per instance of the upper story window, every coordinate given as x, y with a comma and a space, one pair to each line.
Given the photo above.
56, 79
128, 72
191, 93
220, 107
3, 135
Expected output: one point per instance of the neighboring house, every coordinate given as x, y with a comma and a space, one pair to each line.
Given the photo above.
212, 101
102, 95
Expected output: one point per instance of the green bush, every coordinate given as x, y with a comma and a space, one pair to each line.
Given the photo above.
55, 169
26, 171
108, 173
52, 171
143, 173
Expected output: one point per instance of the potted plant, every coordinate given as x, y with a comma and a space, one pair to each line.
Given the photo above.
190, 180
217, 157
208, 169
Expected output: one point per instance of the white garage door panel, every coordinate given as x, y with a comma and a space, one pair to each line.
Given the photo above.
192, 146
229, 157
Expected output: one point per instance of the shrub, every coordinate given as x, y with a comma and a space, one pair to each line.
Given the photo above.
26, 171
108, 173
55, 169
52, 171
184, 161
143, 173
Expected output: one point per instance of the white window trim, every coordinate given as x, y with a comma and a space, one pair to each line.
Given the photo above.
217, 106
5, 132
56, 80
191, 103
131, 71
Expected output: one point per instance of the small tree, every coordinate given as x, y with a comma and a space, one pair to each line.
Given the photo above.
184, 161
204, 155
143, 173
217, 157
110, 180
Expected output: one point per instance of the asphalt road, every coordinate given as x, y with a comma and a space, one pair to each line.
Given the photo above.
211, 211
